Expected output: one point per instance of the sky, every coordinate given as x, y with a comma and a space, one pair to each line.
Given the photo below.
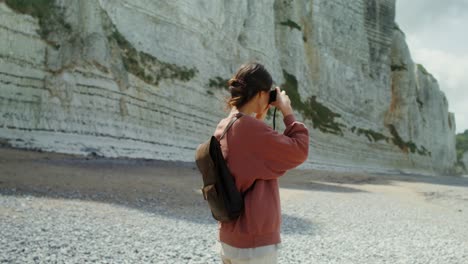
437, 35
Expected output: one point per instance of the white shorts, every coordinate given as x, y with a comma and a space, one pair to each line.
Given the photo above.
232, 255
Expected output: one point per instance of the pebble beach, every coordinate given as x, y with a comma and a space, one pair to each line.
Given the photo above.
58, 208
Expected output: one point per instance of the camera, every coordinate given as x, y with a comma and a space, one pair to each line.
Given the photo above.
272, 96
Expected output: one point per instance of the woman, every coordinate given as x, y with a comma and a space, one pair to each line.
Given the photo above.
255, 153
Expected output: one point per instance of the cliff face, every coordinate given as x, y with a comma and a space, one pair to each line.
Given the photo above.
146, 78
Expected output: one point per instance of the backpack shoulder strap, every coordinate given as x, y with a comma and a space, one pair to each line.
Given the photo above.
237, 116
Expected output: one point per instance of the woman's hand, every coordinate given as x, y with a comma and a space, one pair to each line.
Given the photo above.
283, 103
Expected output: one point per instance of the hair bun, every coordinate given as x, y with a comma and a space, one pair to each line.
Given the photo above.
237, 83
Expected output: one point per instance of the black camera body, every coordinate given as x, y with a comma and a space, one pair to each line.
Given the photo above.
272, 96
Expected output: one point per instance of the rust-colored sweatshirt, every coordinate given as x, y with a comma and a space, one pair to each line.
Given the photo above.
254, 151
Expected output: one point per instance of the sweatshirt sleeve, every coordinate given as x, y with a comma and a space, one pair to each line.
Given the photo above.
281, 152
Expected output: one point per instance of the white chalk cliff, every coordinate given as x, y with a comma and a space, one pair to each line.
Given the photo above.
145, 78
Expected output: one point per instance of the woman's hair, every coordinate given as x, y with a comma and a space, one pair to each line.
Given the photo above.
249, 79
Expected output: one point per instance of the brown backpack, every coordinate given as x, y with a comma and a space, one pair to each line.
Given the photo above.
219, 187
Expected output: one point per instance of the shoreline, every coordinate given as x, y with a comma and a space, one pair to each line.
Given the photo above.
67, 158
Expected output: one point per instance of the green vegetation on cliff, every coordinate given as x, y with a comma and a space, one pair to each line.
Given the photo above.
461, 146
147, 67
322, 117
50, 16
36, 8
371, 135
405, 145
291, 24
396, 67
423, 70
218, 82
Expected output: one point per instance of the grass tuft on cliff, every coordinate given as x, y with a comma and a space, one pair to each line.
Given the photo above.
218, 82
405, 145
36, 8
147, 67
397, 27
422, 69
291, 24
371, 135
321, 116
396, 67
